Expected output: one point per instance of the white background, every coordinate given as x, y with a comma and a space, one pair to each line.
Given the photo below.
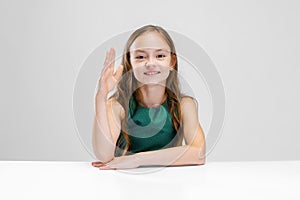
254, 45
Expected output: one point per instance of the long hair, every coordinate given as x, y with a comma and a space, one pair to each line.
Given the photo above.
127, 86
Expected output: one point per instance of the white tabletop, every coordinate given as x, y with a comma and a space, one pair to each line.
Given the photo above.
214, 180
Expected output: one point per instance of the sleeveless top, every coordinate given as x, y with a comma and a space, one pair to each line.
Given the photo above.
148, 128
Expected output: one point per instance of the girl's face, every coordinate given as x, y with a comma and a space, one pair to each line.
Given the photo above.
150, 58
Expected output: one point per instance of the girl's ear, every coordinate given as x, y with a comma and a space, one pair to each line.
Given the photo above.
173, 61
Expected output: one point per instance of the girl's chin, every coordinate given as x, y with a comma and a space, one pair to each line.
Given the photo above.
152, 82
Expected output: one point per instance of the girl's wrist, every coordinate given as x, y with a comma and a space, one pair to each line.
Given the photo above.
100, 103
137, 159
101, 96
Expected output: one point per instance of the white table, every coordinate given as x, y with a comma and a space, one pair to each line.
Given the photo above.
214, 180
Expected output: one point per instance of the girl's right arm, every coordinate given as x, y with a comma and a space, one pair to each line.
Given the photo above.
108, 116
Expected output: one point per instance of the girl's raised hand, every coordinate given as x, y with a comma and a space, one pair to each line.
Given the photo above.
108, 79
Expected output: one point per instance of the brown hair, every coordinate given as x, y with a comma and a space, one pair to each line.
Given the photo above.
128, 85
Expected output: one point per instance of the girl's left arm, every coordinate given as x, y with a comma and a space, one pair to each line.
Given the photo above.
193, 153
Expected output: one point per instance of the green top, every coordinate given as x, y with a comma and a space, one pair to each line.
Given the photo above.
148, 128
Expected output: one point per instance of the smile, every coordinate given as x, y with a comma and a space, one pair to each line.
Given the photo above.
152, 73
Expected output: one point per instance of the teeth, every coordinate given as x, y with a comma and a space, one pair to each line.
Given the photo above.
151, 73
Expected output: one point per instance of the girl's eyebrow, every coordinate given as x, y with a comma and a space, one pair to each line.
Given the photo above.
140, 50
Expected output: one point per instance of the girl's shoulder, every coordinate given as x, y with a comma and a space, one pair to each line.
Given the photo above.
188, 104
188, 100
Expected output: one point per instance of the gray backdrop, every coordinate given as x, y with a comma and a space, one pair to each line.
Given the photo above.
253, 44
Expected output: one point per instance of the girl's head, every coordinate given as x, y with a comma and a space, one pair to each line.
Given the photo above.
150, 58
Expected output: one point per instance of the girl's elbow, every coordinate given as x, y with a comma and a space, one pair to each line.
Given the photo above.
201, 161
104, 158
199, 156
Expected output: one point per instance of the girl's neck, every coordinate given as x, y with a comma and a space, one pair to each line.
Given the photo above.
153, 95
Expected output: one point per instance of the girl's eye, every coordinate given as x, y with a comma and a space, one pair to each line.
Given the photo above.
139, 57
161, 56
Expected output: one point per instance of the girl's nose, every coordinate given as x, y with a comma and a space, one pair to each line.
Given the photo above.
150, 61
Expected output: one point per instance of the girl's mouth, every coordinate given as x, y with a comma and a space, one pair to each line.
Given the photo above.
150, 73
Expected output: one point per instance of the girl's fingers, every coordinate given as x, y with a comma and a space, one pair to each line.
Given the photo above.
101, 168
118, 73
97, 164
112, 58
104, 66
109, 62
107, 73
106, 168
106, 62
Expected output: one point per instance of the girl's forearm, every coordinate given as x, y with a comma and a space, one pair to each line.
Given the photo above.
174, 156
102, 139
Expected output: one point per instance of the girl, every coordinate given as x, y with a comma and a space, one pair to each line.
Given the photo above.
145, 121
